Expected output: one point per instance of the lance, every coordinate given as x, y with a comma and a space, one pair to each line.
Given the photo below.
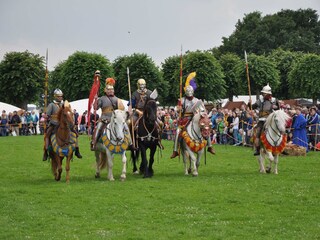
248, 78
180, 102
45, 99
130, 102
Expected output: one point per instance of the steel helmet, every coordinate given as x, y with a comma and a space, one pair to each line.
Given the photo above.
266, 89
189, 91
58, 93
141, 84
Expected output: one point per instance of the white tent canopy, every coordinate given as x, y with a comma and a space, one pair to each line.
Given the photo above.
8, 108
82, 105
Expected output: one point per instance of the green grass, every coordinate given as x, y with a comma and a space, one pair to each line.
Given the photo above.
228, 200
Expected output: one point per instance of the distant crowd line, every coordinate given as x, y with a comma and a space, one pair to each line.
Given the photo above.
234, 127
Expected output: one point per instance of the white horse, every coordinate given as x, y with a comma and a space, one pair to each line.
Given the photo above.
194, 141
273, 140
114, 140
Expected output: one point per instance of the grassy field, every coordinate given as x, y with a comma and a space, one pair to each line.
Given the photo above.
228, 200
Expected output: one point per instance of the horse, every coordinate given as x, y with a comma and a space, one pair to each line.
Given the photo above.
273, 140
193, 139
147, 136
63, 142
114, 140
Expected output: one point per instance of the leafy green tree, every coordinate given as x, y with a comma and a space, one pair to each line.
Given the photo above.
21, 78
140, 66
304, 78
210, 79
232, 68
75, 75
290, 30
261, 72
284, 61
171, 74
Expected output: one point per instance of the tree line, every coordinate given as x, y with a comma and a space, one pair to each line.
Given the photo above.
284, 51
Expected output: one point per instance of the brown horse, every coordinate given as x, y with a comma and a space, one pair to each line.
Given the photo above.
63, 142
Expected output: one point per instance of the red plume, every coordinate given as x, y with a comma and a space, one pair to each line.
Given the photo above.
93, 93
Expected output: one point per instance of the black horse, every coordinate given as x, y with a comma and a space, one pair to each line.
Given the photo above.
147, 136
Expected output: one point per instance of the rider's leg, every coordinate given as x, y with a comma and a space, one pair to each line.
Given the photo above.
130, 145
257, 140
96, 135
46, 142
77, 152
209, 144
175, 146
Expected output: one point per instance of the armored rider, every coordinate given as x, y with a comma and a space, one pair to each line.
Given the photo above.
108, 104
139, 98
52, 111
265, 105
187, 104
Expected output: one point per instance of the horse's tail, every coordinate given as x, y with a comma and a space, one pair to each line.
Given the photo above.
103, 161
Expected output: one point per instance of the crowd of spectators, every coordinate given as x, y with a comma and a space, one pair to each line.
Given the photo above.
234, 127
20, 123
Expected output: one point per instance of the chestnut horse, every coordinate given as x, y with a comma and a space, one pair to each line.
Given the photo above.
63, 142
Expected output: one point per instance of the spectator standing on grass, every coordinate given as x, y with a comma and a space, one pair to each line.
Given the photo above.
35, 120
15, 122
4, 124
300, 129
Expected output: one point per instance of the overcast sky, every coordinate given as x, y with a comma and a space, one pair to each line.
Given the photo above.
122, 27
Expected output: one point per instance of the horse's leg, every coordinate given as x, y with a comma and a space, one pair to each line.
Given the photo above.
151, 159
261, 162
193, 163
270, 156
97, 155
54, 167
134, 156
124, 166
68, 169
144, 161
110, 165
59, 168
276, 160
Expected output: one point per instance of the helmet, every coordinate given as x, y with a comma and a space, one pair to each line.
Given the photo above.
141, 84
110, 82
189, 91
266, 89
58, 93
97, 73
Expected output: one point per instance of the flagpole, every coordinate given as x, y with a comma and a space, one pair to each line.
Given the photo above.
248, 78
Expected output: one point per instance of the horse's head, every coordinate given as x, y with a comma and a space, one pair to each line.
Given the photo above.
65, 115
118, 119
278, 120
150, 111
204, 124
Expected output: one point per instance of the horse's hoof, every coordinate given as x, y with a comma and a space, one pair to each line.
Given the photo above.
111, 179
268, 170
195, 175
147, 176
97, 175
136, 172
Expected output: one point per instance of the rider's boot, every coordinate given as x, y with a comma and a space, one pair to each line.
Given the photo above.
211, 150
77, 153
174, 154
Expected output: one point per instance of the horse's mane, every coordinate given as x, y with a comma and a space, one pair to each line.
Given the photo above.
281, 116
